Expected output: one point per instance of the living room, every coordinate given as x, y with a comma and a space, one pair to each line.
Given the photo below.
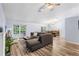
31, 21
55, 24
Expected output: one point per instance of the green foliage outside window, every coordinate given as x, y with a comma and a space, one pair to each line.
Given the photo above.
16, 29
19, 29
23, 29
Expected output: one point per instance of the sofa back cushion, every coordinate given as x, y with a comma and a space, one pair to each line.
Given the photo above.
46, 38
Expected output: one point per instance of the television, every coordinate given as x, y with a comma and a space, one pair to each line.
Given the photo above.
1, 29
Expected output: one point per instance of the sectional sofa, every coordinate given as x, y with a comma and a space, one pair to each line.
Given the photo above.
41, 41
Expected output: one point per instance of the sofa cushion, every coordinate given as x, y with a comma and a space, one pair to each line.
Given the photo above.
45, 38
32, 42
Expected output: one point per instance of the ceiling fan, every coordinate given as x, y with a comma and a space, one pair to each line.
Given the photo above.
49, 6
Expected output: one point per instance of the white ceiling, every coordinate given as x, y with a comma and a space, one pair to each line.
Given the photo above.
28, 12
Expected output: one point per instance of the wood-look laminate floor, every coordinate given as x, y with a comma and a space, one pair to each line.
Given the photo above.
19, 49
59, 48
63, 48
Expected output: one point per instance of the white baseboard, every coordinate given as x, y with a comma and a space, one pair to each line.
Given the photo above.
73, 42
70, 41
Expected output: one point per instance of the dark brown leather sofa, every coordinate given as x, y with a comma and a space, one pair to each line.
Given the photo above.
41, 41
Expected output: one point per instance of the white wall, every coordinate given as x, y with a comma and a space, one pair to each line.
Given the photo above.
71, 29
2, 24
30, 27
35, 27
60, 25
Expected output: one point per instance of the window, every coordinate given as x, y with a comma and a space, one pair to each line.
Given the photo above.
43, 29
16, 29
19, 29
23, 29
1, 29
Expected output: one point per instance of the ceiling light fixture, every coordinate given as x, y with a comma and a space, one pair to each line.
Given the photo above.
49, 6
